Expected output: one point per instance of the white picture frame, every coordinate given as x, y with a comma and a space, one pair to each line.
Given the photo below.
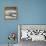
33, 27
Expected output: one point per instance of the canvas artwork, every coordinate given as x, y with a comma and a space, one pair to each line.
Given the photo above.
10, 13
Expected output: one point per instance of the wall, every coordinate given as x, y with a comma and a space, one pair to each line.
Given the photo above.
29, 12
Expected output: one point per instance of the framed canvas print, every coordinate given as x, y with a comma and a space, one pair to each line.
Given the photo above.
10, 13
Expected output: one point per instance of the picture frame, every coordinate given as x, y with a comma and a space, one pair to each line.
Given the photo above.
10, 13
39, 32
